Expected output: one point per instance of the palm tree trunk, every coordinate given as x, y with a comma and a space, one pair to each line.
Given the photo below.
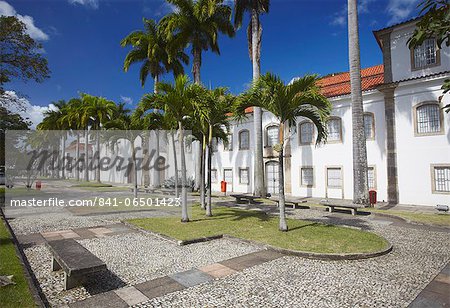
175, 164
63, 163
202, 172
184, 210
86, 154
360, 180
197, 54
283, 225
156, 173
133, 157
145, 147
97, 169
208, 175
77, 169
258, 168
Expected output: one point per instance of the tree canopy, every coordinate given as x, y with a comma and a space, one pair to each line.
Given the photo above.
20, 55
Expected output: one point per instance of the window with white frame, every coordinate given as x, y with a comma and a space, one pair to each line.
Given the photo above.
228, 144
243, 176
307, 176
244, 139
214, 175
369, 126
371, 177
425, 55
306, 133
272, 135
334, 129
334, 177
441, 179
428, 119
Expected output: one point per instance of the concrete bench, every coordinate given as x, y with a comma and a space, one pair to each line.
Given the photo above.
293, 202
332, 204
245, 199
75, 260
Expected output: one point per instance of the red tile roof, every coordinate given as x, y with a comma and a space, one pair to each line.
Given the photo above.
339, 84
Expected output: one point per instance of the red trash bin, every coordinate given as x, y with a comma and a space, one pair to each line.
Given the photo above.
373, 197
223, 186
38, 185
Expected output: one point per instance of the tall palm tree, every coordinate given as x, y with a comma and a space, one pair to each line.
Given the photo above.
177, 101
198, 23
213, 114
96, 112
360, 177
152, 49
301, 98
254, 34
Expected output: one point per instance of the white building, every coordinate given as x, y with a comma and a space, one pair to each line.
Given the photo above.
408, 134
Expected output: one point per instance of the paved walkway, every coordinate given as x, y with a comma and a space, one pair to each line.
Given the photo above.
436, 293
134, 295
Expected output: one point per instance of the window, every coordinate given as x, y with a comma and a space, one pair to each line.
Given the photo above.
214, 144
334, 130
272, 136
306, 133
425, 55
428, 119
214, 175
334, 177
369, 126
371, 177
243, 176
307, 176
228, 145
244, 140
441, 179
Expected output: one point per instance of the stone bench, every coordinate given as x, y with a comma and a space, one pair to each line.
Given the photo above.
332, 204
293, 202
75, 260
245, 199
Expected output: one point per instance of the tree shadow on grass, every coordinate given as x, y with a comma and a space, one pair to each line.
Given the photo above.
235, 215
342, 221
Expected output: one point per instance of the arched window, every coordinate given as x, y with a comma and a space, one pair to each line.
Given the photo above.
306, 130
272, 135
369, 125
244, 139
428, 117
334, 126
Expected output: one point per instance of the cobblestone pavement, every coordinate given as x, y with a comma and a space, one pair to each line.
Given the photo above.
393, 280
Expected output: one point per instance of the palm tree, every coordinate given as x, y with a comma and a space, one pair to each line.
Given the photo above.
177, 101
213, 114
254, 34
152, 49
360, 179
301, 98
95, 113
198, 23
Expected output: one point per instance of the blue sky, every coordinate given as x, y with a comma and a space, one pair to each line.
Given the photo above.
81, 42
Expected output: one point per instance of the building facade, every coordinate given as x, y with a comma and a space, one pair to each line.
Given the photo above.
407, 132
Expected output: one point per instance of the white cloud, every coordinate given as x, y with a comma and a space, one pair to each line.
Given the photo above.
7, 10
126, 99
89, 3
22, 106
399, 10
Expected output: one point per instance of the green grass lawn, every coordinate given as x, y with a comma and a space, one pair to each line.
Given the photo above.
439, 219
17, 295
258, 226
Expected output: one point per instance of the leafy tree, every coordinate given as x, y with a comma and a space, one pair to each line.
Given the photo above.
254, 36
10, 121
434, 23
152, 49
301, 98
19, 57
177, 101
